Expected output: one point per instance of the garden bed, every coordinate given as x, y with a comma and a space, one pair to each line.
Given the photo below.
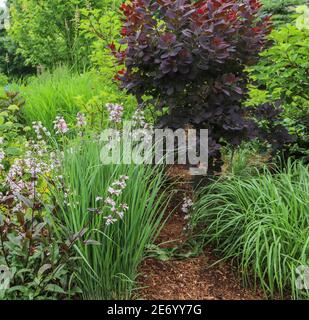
190, 279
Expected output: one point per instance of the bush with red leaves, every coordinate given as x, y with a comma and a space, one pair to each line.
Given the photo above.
190, 57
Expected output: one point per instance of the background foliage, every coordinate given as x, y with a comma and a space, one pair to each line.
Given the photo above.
11, 62
282, 11
282, 75
47, 32
65, 93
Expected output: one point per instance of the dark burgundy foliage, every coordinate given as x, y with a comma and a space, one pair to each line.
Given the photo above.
190, 57
271, 129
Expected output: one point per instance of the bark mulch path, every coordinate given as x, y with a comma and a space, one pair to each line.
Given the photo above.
192, 278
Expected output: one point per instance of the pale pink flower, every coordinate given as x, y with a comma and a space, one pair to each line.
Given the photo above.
113, 191
124, 207
40, 130
120, 214
110, 201
81, 120
115, 112
60, 125
110, 220
187, 205
2, 155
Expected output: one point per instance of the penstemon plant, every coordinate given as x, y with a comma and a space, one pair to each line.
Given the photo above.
36, 262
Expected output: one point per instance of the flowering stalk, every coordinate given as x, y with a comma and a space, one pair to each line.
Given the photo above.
40, 130
186, 206
81, 120
60, 125
2, 156
116, 210
115, 112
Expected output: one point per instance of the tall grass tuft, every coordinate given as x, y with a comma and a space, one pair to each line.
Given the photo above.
65, 93
262, 224
246, 160
109, 268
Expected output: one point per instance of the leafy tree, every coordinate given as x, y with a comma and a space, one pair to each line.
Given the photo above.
47, 32
190, 57
11, 63
101, 27
282, 76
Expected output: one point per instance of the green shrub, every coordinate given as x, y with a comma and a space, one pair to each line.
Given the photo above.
110, 264
11, 62
12, 132
101, 27
282, 75
3, 80
261, 223
48, 33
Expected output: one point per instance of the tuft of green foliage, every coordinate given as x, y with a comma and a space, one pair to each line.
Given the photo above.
65, 93
109, 268
261, 223
3, 80
12, 132
246, 160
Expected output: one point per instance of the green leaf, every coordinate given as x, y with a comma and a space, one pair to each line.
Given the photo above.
22, 289
12, 151
26, 129
13, 107
92, 242
54, 288
26, 201
44, 268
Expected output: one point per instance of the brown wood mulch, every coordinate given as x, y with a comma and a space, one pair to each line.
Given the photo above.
193, 278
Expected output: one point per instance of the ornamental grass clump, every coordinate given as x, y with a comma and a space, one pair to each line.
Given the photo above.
122, 207
261, 223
